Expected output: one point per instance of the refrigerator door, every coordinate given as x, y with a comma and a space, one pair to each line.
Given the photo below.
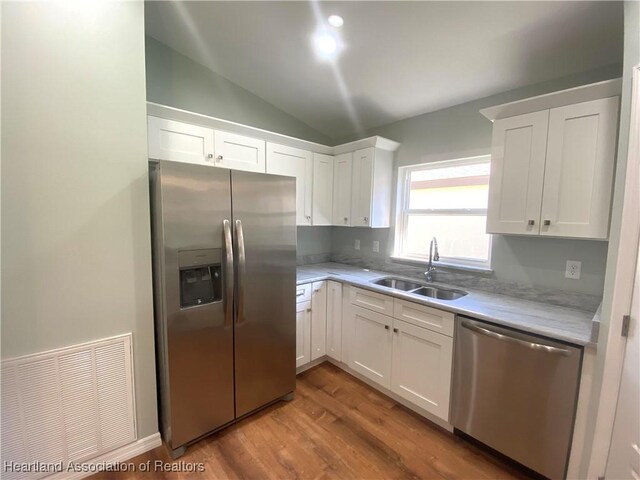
264, 212
196, 353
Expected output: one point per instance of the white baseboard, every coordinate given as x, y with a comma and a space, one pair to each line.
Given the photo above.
118, 455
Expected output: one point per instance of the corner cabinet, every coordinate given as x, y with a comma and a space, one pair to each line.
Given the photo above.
294, 162
552, 171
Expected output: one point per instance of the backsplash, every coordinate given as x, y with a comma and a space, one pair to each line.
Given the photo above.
314, 245
478, 281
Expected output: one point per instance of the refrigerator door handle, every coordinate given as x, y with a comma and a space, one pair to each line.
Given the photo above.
241, 272
228, 271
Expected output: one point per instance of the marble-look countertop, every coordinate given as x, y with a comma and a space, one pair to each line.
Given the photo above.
558, 323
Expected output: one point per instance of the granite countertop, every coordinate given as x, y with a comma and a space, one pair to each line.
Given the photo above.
559, 323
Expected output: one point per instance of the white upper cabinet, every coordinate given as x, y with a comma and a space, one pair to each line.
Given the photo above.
342, 166
180, 142
294, 162
517, 173
552, 171
371, 188
578, 176
239, 152
322, 201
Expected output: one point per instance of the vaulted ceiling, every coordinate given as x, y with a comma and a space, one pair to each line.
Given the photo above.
400, 58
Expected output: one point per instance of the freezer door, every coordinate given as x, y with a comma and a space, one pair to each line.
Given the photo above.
196, 340
264, 212
516, 393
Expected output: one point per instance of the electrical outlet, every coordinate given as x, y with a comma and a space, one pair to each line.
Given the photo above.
376, 246
356, 244
573, 269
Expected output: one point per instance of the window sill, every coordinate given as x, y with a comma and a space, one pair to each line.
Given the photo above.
445, 265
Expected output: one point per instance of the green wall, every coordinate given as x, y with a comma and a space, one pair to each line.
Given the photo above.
459, 132
177, 81
76, 247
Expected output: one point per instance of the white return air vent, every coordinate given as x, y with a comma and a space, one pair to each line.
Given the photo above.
67, 405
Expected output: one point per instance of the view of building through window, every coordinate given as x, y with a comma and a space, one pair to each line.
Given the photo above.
447, 200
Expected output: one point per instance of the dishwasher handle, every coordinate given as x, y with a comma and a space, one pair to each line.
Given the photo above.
506, 338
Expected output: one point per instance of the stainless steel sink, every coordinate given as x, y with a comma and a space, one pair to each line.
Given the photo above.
439, 293
430, 291
397, 283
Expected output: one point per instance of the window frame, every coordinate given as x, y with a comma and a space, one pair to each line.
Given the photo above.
403, 212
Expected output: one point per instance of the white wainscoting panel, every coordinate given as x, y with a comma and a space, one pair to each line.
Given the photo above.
67, 405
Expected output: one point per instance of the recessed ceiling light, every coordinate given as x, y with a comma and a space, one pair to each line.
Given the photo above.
335, 21
326, 44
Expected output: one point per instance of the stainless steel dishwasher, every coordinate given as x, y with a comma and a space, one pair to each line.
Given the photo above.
516, 393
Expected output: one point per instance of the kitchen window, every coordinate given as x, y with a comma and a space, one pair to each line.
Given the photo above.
446, 200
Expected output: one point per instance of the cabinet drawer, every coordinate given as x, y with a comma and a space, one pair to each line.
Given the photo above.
376, 302
303, 293
423, 316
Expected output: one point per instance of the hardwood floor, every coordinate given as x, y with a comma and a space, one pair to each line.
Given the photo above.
336, 427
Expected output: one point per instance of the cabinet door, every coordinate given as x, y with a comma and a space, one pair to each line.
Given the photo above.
421, 367
342, 166
303, 333
334, 320
362, 187
322, 204
518, 150
579, 171
371, 345
239, 152
293, 162
319, 320
180, 142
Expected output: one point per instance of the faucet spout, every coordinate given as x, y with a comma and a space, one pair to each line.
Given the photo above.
434, 256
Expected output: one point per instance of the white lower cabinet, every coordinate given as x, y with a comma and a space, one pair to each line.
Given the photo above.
334, 320
303, 333
371, 345
318, 320
421, 367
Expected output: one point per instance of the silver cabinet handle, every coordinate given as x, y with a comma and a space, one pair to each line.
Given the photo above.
308, 309
505, 338
366, 219
228, 272
531, 222
395, 330
241, 271
345, 219
547, 223
386, 327
220, 157
210, 155
300, 294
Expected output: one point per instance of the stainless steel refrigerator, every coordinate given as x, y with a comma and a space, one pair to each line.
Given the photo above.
224, 246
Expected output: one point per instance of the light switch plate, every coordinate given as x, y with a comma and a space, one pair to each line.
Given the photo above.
573, 269
356, 244
376, 246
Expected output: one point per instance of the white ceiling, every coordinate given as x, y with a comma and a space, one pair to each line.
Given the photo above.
401, 58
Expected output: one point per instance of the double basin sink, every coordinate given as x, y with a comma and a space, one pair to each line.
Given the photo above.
415, 288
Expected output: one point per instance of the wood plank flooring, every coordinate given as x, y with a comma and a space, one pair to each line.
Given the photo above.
336, 427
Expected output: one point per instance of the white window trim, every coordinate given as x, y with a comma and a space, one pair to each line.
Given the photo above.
402, 211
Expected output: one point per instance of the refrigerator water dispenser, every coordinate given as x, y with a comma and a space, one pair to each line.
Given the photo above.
200, 277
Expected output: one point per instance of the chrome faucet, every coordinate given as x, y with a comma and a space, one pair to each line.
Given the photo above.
434, 256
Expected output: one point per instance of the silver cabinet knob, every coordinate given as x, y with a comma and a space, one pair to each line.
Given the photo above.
220, 157
531, 222
308, 309
547, 223
386, 327
366, 219
210, 155
395, 330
